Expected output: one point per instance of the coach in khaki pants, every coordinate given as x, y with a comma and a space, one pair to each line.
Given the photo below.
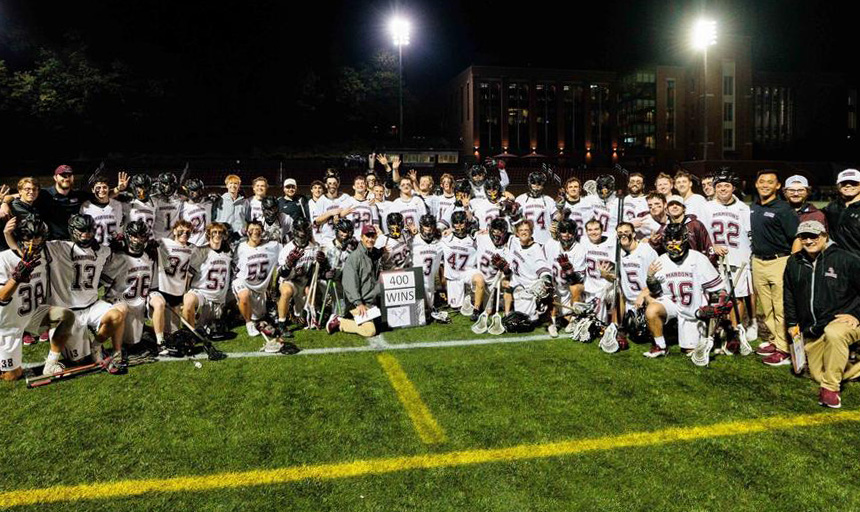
822, 301
773, 225
361, 287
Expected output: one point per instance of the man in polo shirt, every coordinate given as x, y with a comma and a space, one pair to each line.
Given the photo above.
774, 225
843, 214
293, 204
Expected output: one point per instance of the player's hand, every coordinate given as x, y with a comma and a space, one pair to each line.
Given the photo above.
845, 318
637, 222
320, 257
606, 271
395, 162
122, 181
346, 211
721, 250
10, 226
413, 175
640, 299
29, 261
294, 257
654, 268
4, 191
383, 160
360, 310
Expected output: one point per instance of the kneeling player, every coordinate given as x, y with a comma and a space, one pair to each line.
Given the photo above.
22, 299
636, 259
492, 255
397, 244
678, 282
296, 262
567, 256
600, 263
458, 254
531, 280
205, 300
255, 260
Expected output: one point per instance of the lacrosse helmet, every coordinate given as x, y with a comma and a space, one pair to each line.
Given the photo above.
30, 228
302, 233
499, 233
567, 231
271, 210
493, 189
536, 181
136, 235
82, 230
344, 231
477, 175
517, 322
636, 326
193, 188
427, 225
141, 185
166, 184
395, 224
605, 186
676, 241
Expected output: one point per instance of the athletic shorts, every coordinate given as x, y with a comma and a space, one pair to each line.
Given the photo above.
563, 296
688, 330
604, 306
456, 288
173, 301
87, 321
257, 300
524, 302
12, 340
743, 285
207, 309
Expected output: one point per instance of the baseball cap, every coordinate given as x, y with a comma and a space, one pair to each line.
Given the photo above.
675, 199
290, 181
368, 230
65, 169
848, 175
812, 227
797, 180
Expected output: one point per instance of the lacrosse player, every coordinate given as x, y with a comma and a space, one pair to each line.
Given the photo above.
297, 262
696, 205
493, 253
208, 293
361, 207
575, 206
255, 261
606, 206
485, 209
409, 206
446, 202
678, 283
636, 259
106, 212
427, 255
458, 255
197, 210
656, 218
567, 257
538, 208
636, 203
336, 254
317, 204
277, 225
730, 231
174, 268
531, 277
168, 204
397, 244
697, 234
23, 295
139, 204
477, 176
600, 269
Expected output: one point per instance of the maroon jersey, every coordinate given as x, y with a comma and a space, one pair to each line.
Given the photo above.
697, 236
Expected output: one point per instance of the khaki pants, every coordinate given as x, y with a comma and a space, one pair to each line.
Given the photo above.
367, 329
827, 356
767, 280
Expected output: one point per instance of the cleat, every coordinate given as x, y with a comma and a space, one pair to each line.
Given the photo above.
333, 324
765, 349
777, 359
440, 316
655, 352
552, 330
53, 368
29, 339
252, 329
46, 336
118, 364
829, 398
732, 347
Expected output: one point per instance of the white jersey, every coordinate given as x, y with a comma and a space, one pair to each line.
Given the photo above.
458, 254
335, 254
167, 211
15, 314
254, 209
576, 256
139, 210
484, 212
75, 273
398, 251
581, 212
174, 262
255, 265
649, 226
412, 210
730, 227
278, 231
478, 191
316, 207
128, 278
486, 249
108, 218
595, 255
323, 206
427, 256
697, 207
431, 202
443, 214
635, 207
528, 264
212, 279
541, 211
606, 211
686, 283
305, 262
199, 215
364, 213
634, 270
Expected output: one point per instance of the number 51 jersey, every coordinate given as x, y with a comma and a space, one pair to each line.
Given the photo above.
75, 273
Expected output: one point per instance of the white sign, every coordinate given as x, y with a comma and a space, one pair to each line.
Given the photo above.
400, 297
405, 279
399, 316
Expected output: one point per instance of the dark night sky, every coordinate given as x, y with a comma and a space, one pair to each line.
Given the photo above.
235, 55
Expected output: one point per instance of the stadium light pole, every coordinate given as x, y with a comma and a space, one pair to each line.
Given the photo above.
399, 29
704, 35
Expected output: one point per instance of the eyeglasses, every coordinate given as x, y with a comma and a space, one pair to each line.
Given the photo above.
808, 236
849, 184
795, 190
183, 232
289, 186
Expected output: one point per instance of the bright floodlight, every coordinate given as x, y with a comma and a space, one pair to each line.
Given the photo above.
704, 34
399, 29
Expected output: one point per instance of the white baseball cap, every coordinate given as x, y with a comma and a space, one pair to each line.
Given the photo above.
797, 180
676, 199
848, 175
290, 181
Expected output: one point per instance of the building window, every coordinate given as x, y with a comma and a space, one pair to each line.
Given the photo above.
574, 117
670, 113
546, 118
774, 116
728, 86
518, 117
728, 72
468, 99
728, 112
489, 116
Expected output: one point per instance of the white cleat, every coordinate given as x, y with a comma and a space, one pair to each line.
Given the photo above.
252, 329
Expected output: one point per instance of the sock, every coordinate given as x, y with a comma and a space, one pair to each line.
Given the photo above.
660, 341
159, 338
282, 319
53, 357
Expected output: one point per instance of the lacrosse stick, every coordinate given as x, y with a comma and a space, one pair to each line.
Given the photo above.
213, 353
701, 355
496, 327
285, 348
310, 308
326, 297
745, 349
467, 308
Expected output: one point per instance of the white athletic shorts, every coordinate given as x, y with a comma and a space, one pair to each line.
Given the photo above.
743, 285
524, 302
688, 330
12, 340
563, 296
258, 300
207, 309
601, 312
87, 321
456, 288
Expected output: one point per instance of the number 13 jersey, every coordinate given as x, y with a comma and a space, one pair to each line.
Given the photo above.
75, 273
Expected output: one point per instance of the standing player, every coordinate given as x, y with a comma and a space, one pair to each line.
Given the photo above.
336, 253
254, 206
411, 207
277, 225
296, 262
531, 278
484, 210
697, 206
197, 209
317, 206
140, 205
567, 257
23, 294
678, 282
477, 177
664, 184
606, 205
600, 268
574, 206
656, 217
446, 202
204, 302
636, 259
168, 204
255, 261
397, 244
537, 207
458, 255
129, 275
363, 211
426, 255
636, 203
75, 269
730, 229
106, 212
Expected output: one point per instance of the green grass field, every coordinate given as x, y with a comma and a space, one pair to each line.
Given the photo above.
247, 418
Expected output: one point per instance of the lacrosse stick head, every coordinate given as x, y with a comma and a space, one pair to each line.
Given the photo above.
609, 342
496, 327
467, 309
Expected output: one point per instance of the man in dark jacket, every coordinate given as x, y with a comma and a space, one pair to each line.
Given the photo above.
361, 287
822, 303
293, 204
843, 214
698, 237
